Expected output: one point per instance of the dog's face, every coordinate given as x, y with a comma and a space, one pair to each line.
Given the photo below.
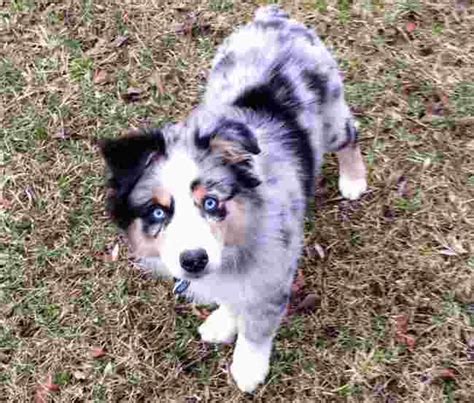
182, 199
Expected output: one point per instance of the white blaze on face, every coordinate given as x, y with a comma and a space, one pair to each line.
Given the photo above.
188, 229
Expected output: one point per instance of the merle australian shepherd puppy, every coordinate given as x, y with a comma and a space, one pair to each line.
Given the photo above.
218, 201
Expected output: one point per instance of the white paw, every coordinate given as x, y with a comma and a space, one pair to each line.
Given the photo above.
352, 189
250, 365
219, 327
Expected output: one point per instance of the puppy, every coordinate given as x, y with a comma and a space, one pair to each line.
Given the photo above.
218, 201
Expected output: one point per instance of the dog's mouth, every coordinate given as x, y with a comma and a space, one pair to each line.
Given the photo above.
192, 276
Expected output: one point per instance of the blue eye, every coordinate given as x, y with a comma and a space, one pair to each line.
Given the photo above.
210, 205
158, 215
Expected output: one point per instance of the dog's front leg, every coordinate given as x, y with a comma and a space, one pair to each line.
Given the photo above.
220, 326
251, 360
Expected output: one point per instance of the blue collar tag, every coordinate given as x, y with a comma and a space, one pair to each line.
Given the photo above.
180, 286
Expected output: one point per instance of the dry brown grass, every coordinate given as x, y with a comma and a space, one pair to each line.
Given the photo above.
68, 73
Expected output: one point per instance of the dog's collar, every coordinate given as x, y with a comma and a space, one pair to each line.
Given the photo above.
180, 286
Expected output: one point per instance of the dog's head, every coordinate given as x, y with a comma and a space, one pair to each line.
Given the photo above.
183, 198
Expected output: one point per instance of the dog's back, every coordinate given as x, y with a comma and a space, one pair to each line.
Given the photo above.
299, 71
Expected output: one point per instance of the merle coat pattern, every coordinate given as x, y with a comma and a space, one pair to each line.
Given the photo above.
219, 199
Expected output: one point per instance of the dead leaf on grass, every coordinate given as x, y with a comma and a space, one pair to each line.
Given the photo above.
121, 40
308, 304
201, 313
470, 350
298, 284
44, 389
315, 250
98, 352
410, 26
401, 329
100, 77
80, 376
4, 203
441, 374
62, 134
113, 255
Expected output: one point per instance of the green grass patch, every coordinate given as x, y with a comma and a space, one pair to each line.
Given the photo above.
363, 94
11, 78
221, 5
410, 205
463, 99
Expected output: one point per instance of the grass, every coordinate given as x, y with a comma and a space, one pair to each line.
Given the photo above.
399, 251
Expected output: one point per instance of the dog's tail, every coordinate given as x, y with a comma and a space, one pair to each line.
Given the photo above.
269, 12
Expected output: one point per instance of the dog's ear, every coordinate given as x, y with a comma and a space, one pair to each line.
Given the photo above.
132, 152
239, 134
235, 144
127, 157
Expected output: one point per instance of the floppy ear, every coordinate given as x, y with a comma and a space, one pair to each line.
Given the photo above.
239, 134
235, 144
127, 158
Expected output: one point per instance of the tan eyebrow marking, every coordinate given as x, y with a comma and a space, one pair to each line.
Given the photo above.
199, 192
162, 197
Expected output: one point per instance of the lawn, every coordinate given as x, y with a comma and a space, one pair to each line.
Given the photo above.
390, 278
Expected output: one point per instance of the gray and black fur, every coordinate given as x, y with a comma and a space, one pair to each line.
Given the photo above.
275, 94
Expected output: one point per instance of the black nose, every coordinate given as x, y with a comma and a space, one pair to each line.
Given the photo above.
194, 260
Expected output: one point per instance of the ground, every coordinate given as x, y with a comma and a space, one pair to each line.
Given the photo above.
388, 281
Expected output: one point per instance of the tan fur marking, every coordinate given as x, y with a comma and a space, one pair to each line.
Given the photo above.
141, 244
199, 193
231, 152
351, 163
232, 230
161, 197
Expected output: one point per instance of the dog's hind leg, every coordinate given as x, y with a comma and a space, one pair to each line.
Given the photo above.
340, 136
352, 172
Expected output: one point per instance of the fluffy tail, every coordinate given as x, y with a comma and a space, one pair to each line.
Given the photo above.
266, 13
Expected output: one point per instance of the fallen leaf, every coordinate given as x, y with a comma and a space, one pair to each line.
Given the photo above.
401, 329
447, 252
402, 186
445, 374
121, 40
112, 256
409, 341
98, 352
80, 376
186, 27
316, 250
298, 284
62, 134
192, 25
201, 313
43, 390
132, 94
410, 26
114, 253
462, 5
308, 304
109, 369
470, 350
41, 394
401, 324
100, 77
4, 203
